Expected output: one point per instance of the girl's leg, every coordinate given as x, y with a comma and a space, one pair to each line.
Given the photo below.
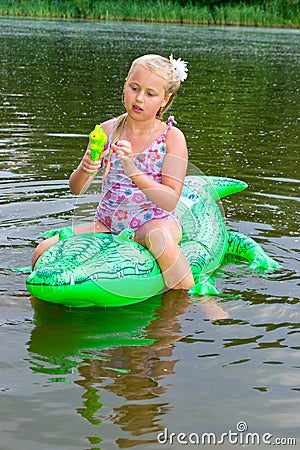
161, 237
90, 227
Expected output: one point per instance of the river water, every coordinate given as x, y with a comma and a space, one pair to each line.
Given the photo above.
108, 379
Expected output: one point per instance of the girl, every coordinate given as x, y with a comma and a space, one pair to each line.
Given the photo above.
144, 163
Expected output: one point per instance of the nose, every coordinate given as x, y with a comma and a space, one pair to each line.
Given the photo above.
140, 96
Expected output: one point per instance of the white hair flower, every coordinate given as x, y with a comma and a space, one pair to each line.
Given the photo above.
180, 66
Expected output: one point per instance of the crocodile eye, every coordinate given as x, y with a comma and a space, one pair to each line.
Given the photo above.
94, 277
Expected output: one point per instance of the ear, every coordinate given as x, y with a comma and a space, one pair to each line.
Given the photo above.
166, 99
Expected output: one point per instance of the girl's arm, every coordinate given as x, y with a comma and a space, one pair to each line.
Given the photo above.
165, 194
84, 174
87, 169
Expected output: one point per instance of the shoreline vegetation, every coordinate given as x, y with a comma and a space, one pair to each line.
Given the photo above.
260, 13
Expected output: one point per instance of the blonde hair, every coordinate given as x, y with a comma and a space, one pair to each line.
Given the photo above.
161, 67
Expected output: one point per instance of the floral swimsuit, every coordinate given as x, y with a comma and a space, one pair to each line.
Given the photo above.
122, 203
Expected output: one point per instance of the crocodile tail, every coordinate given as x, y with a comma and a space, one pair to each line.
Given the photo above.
244, 246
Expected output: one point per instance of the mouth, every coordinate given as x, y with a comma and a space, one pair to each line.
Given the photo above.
137, 108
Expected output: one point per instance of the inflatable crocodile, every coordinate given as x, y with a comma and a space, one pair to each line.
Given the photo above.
102, 269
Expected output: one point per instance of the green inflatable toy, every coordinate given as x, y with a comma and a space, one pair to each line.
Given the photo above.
102, 269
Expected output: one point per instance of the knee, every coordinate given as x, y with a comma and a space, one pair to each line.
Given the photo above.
38, 251
41, 247
158, 239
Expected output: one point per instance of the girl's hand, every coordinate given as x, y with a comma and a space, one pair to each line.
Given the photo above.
124, 151
88, 165
122, 148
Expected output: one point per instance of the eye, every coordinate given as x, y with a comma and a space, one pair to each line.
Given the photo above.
151, 94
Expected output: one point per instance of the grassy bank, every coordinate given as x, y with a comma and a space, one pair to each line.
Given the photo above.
271, 13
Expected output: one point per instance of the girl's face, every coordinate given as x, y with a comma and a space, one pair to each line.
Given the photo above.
144, 94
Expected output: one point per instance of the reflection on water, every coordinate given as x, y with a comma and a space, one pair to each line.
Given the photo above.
129, 354
137, 356
115, 378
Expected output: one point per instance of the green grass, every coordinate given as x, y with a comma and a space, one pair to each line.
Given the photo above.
272, 13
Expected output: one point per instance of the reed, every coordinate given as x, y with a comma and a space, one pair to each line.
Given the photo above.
273, 13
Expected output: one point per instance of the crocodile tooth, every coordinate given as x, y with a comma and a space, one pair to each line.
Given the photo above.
72, 281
